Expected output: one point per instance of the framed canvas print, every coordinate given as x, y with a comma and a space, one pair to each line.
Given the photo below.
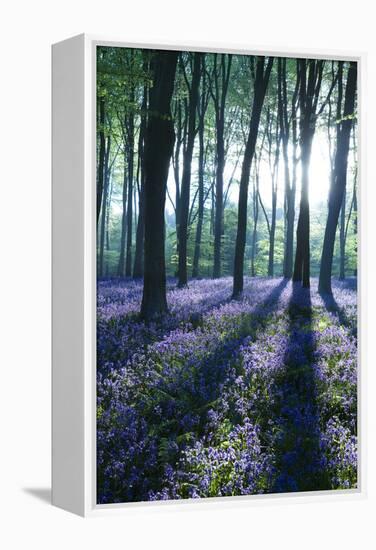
206, 274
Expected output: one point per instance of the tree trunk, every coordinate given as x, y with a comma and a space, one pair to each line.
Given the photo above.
342, 253
302, 254
159, 143
218, 216
290, 181
201, 168
200, 215
355, 226
138, 267
260, 85
349, 215
274, 179
121, 264
187, 165
219, 103
108, 215
338, 187
309, 91
272, 235
290, 220
104, 205
102, 153
255, 200
180, 138
130, 148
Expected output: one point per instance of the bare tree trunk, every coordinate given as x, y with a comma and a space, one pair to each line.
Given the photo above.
104, 205
219, 97
138, 267
355, 207
309, 91
102, 153
212, 209
201, 168
338, 187
200, 216
302, 255
343, 206
290, 180
260, 85
255, 201
108, 214
342, 253
130, 131
159, 143
187, 166
218, 216
272, 235
121, 264
351, 209
180, 138
274, 179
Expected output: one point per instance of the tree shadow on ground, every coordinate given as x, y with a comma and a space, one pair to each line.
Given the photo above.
297, 446
270, 303
189, 400
332, 306
216, 366
211, 371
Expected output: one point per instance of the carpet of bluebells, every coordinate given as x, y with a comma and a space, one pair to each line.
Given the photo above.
226, 397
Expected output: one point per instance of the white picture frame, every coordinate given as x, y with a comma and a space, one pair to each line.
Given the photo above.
74, 276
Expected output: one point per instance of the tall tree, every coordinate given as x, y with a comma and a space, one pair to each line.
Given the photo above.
338, 184
138, 266
107, 228
332, 121
219, 89
343, 205
255, 210
256, 198
106, 184
286, 122
123, 231
274, 143
352, 210
159, 143
310, 79
259, 89
130, 151
342, 239
202, 107
193, 88
181, 117
123, 118
102, 153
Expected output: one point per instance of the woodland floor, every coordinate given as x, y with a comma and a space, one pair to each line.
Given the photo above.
226, 397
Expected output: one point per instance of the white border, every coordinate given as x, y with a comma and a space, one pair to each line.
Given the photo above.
68, 240
90, 506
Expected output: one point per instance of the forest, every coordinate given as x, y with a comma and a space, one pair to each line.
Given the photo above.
226, 274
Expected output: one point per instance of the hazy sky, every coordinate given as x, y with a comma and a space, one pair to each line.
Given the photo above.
319, 176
